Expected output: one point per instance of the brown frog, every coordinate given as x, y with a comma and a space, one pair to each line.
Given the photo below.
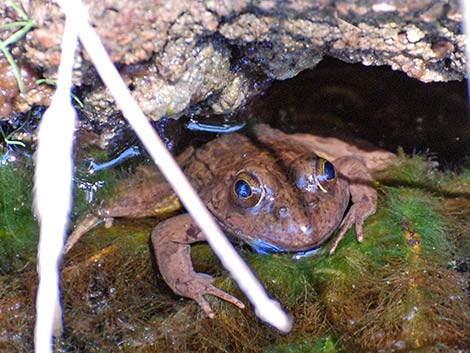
272, 191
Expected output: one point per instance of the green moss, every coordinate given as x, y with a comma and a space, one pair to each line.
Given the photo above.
284, 278
323, 345
18, 230
456, 184
455, 206
393, 292
415, 171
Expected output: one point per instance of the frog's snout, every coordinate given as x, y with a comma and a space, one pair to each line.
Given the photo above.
292, 222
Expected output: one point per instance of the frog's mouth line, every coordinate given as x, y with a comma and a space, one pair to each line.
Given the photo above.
263, 248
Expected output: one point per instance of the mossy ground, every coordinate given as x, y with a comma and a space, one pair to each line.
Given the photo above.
18, 228
394, 292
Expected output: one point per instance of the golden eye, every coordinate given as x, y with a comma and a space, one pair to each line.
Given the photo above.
326, 173
247, 191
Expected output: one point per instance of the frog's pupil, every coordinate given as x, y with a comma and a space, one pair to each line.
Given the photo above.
329, 171
242, 189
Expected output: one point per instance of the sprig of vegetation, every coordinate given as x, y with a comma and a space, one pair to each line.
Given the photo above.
52, 83
10, 142
19, 10
26, 26
7, 137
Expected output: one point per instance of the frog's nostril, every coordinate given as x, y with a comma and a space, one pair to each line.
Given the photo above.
283, 211
306, 229
309, 204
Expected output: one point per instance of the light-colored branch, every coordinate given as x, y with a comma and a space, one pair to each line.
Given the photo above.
53, 190
465, 6
267, 309
53, 180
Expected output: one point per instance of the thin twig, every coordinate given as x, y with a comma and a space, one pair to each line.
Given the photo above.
14, 67
13, 25
465, 8
266, 308
50, 82
53, 193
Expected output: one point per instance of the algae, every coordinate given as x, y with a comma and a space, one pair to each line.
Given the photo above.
18, 230
394, 292
16, 216
323, 345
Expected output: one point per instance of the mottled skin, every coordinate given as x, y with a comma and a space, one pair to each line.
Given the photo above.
295, 204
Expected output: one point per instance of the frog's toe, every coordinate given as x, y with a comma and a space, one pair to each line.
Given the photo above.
199, 298
83, 226
202, 285
225, 296
346, 223
362, 212
357, 214
359, 230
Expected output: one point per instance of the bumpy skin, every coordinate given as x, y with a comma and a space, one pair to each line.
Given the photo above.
297, 205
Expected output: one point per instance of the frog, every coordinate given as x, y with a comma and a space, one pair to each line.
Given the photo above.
274, 191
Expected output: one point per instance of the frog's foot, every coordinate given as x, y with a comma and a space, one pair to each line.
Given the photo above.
171, 241
363, 197
200, 285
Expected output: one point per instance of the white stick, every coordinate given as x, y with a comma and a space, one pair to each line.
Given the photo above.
53, 187
465, 8
267, 309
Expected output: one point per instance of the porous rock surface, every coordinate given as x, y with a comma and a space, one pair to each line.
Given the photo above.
173, 54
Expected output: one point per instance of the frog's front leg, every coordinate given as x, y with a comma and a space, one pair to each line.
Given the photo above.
171, 240
363, 196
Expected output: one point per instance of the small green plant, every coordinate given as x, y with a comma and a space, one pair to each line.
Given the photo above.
7, 139
52, 83
25, 27
323, 345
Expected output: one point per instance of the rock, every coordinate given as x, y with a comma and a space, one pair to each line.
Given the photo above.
190, 51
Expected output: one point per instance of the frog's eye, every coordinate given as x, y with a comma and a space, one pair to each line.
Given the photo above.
326, 173
246, 191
